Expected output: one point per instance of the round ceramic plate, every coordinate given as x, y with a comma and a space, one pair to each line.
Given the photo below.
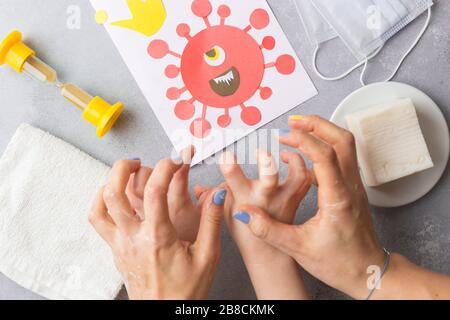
434, 128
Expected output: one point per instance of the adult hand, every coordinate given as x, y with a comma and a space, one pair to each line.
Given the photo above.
183, 212
153, 261
339, 243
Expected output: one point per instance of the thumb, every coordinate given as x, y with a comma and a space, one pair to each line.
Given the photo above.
284, 237
208, 239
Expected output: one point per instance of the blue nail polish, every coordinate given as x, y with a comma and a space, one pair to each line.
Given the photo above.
284, 132
219, 197
243, 217
135, 159
178, 160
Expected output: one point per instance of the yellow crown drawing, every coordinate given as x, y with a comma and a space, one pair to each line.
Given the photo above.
148, 16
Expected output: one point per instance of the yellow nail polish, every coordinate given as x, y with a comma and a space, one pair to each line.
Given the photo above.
296, 118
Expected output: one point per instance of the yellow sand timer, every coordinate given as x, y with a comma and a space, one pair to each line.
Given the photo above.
23, 59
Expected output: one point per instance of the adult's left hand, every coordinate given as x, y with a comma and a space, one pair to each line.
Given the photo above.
154, 262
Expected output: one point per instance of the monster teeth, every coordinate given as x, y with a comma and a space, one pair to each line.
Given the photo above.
227, 78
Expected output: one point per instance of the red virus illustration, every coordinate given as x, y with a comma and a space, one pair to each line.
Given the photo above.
222, 66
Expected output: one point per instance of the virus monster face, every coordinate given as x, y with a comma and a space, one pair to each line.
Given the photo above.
221, 66
217, 71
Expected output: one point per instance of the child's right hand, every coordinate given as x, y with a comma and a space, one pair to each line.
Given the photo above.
281, 200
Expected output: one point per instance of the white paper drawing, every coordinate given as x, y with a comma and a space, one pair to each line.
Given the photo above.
208, 67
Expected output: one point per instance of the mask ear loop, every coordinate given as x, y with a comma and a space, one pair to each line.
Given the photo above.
346, 73
394, 73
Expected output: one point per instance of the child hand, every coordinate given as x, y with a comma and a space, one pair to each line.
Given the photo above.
154, 262
282, 201
184, 214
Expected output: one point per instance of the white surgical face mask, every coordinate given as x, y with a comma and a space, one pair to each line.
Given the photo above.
365, 26
317, 28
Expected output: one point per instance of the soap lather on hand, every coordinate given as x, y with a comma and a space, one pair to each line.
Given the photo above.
389, 142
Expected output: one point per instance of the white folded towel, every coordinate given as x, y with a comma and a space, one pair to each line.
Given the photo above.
46, 243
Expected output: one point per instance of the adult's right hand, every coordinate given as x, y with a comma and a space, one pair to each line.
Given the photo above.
339, 243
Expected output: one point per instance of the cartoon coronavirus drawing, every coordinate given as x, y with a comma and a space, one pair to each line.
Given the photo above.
222, 66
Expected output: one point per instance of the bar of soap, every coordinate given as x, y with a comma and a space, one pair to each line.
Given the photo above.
389, 142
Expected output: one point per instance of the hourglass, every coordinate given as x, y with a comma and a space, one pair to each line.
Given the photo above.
23, 59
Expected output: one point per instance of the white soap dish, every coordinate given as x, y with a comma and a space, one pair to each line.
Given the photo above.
435, 131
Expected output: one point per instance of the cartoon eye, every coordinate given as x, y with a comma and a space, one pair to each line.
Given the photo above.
215, 57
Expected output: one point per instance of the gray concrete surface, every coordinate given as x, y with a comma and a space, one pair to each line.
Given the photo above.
421, 231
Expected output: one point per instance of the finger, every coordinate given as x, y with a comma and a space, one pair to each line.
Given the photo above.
268, 172
185, 156
178, 189
202, 194
188, 154
100, 220
326, 166
284, 237
155, 199
340, 139
208, 239
233, 174
135, 190
199, 191
313, 177
298, 174
115, 197
136, 185
292, 165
